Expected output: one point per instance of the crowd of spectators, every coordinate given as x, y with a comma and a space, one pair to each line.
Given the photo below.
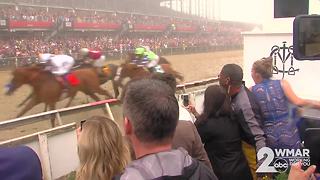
15, 44
71, 44
151, 119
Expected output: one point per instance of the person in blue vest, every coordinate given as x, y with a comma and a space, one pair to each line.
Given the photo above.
274, 97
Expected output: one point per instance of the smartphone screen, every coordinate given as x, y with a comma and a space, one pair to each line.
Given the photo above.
185, 98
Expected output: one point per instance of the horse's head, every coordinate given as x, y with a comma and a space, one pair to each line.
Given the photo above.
21, 76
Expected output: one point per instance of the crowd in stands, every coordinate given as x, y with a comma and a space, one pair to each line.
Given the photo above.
14, 45
70, 44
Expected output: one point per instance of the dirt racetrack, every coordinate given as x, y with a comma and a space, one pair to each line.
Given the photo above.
192, 66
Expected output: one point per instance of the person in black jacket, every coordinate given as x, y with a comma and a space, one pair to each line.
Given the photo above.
151, 115
221, 134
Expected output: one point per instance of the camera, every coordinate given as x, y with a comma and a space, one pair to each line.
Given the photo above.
306, 37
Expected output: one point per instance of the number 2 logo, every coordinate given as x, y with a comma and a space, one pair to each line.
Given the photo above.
265, 166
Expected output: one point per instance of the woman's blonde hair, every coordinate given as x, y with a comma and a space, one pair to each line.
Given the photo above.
103, 152
264, 67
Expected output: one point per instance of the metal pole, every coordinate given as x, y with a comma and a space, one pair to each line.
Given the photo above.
199, 4
206, 6
176, 5
190, 7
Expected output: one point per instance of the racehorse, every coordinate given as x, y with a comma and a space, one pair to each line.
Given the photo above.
133, 71
106, 73
47, 89
131, 57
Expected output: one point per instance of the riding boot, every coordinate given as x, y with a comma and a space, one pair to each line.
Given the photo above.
64, 82
152, 69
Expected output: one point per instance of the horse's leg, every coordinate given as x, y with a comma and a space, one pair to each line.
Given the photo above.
101, 91
93, 96
72, 95
25, 100
29, 105
53, 117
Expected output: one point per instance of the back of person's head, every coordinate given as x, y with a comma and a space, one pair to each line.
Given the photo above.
19, 163
263, 67
234, 72
167, 78
216, 103
152, 109
102, 150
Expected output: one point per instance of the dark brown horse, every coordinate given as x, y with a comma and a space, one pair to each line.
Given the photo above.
133, 71
47, 89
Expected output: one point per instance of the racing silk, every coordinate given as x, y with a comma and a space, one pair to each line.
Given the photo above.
61, 64
94, 55
150, 55
279, 125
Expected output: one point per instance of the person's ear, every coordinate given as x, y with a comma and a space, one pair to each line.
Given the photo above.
128, 128
228, 81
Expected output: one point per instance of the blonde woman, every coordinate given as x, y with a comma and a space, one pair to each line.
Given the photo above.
274, 97
102, 150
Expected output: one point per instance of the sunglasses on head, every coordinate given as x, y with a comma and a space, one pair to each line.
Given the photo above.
81, 123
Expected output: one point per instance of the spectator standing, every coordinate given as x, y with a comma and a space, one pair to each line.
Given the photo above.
186, 134
102, 150
221, 134
150, 118
243, 101
274, 97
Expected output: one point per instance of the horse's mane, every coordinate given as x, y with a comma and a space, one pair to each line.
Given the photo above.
29, 70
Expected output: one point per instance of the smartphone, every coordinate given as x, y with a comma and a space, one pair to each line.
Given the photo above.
185, 99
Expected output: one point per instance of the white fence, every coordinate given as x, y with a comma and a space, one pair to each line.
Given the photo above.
57, 147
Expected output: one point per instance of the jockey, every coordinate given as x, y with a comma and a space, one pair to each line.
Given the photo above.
94, 58
59, 65
145, 54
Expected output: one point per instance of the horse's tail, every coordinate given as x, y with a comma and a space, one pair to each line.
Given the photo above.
163, 60
179, 76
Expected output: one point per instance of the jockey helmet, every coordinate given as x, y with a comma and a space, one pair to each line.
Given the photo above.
139, 51
84, 51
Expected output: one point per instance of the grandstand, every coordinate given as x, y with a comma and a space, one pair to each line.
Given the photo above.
30, 27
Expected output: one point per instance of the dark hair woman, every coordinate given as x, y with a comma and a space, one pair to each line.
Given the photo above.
221, 134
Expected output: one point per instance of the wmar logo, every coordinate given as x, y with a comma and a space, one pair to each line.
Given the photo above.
281, 165
280, 160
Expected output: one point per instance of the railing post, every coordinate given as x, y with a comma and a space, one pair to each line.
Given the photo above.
44, 156
109, 111
59, 118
